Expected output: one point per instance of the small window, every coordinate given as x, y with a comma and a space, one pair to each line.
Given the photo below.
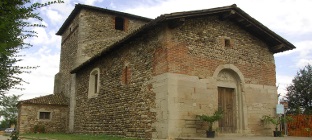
227, 42
119, 23
94, 83
45, 115
96, 79
126, 75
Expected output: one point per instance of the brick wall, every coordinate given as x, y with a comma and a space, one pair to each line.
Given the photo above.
197, 49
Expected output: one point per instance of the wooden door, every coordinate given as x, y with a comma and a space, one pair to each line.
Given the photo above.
226, 102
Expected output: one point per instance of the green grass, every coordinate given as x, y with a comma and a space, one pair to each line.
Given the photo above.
72, 137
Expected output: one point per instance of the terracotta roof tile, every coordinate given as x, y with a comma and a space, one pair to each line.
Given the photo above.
53, 99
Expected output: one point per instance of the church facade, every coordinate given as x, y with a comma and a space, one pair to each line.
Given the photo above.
122, 74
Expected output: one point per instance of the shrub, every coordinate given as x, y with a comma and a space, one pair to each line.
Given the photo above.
39, 129
14, 135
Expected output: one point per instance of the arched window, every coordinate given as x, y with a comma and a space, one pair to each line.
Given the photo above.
126, 75
94, 83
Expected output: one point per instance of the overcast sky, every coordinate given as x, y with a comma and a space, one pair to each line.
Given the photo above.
290, 19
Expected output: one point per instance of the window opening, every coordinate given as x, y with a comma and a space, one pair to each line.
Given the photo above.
45, 115
94, 80
227, 43
119, 23
95, 83
126, 75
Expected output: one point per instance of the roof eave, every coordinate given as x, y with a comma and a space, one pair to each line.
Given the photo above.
233, 9
281, 44
23, 103
284, 45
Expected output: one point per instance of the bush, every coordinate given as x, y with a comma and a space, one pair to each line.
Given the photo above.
14, 135
39, 129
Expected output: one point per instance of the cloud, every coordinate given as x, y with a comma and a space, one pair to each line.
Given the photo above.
303, 48
90, 2
41, 79
56, 13
54, 16
283, 16
46, 36
282, 82
302, 55
112, 5
303, 62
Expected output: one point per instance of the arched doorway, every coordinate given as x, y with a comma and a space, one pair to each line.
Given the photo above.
230, 99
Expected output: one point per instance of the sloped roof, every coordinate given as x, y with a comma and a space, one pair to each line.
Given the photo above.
275, 42
52, 99
79, 7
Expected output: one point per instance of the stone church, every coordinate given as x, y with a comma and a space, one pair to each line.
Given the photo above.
127, 75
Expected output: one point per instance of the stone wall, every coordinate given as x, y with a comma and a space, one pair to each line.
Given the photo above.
260, 100
197, 48
29, 117
97, 31
196, 52
67, 59
174, 76
122, 107
179, 98
88, 34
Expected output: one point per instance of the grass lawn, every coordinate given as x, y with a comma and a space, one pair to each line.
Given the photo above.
56, 136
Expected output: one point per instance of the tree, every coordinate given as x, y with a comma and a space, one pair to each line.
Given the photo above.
299, 93
8, 109
14, 29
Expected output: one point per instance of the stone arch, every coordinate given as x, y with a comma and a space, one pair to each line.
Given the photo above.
229, 77
94, 83
229, 67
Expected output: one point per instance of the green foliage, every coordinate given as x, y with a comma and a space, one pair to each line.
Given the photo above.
299, 93
275, 120
8, 109
15, 28
14, 135
39, 129
217, 115
4, 124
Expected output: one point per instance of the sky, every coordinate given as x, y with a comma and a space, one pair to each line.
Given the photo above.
290, 19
